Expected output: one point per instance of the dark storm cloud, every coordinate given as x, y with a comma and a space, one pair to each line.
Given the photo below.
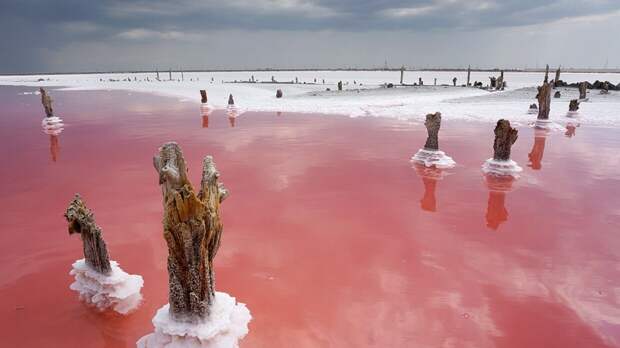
34, 28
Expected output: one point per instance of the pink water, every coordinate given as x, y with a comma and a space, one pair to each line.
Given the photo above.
331, 237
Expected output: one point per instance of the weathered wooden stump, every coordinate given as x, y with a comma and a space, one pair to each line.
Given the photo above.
573, 105
432, 123
546, 80
468, 74
231, 100
279, 93
544, 101
203, 96
505, 137
420, 82
46, 100
500, 81
454, 81
402, 74
340, 85
192, 230
493, 82
557, 94
82, 221
556, 81
583, 90
533, 107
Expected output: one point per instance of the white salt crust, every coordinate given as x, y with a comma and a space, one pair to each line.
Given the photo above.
118, 290
501, 168
226, 325
572, 114
433, 158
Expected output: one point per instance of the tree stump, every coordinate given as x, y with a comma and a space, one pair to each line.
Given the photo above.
505, 137
583, 89
82, 221
557, 94
402, 74
432, 123
500, 81
340, 85
468, 74
420, 82
573, 105
546, 74
279, 93
556, 81
544, 101
231, 100
203, 96
454, 81
192, 230
46, 100
493, 82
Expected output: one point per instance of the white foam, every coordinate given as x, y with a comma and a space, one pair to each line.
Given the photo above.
226, 325
433, 158
117, 290
509, 167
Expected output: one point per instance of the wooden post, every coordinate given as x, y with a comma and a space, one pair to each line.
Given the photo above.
46, 100
279, 93
547, 74
340, 85
573, 105
583, 87
468, 74
505, 137
556, 82
402, 74
544, 101
500, 81
203, 96
192, 230
170, 74
420, 82
231, 101
432, 123
157, 71
82, 221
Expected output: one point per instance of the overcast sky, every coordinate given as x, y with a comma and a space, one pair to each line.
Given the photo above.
108, 35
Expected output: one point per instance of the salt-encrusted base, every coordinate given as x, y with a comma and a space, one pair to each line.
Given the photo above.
224, 328
532, 111
52, 123
508, 167
584, 100
433, 158
205, 108
118, 290
572, 114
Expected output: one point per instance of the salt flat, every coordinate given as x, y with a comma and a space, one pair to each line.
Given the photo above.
363, 95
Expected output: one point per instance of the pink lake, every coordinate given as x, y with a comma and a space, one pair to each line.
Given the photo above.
331, 236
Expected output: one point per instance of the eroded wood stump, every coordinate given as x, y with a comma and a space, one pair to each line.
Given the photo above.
505, 137
231, 100
279, 93
340, 85
544, 101
432, 123
82, 221
583, 90
573, 105
203, 96
556, 81
557, 94
46, 100
192, 230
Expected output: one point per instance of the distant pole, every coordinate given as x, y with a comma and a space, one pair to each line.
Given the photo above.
557, 78
468, 74
157, 74
402, 74
547, 74
170, 74
182, 78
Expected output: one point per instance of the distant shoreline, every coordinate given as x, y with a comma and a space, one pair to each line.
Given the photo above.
536, 70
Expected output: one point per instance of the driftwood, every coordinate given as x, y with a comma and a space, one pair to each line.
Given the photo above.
192, 230
82, 221
203, 96
46, 100
279, 93
573, 105
231, 100
583, 90
505, 137
544, 101
432, 123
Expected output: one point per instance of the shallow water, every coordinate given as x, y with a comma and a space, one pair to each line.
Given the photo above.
331, 237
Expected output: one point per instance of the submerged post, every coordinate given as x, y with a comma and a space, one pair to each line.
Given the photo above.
505, 137
203, 96
82, 221
46, 100
432, 123
544, 100
192, 230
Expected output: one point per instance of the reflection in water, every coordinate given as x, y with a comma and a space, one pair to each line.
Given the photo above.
430, 176
53, 130
232, 113
536, 155
496, 208
205, 111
